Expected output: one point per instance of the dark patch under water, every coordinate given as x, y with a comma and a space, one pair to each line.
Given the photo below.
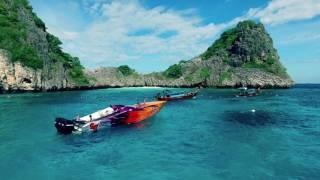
264, 118
258, 118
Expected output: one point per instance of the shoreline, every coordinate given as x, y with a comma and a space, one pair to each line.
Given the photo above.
88, 88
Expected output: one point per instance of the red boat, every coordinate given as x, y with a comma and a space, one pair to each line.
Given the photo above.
167, 96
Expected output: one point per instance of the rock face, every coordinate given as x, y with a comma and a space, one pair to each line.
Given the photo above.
243, 55
15, 77
31, 59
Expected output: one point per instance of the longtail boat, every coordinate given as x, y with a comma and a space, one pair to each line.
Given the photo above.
113, 115
245, 92
168, 96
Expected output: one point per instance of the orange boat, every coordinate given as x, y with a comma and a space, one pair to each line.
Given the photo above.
143, 111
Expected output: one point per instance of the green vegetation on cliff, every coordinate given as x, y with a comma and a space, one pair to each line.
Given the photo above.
174, 71
14, 37
71, 63
226, 75
271, 66
247, 45
126, 70
228, 38
204, 73
222, 44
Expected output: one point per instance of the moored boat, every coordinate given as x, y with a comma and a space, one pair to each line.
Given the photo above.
168, 96
113, 115
245, 92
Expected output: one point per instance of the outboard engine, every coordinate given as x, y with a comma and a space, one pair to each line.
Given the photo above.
64, 126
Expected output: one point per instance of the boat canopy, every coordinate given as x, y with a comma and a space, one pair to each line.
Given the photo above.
97, 115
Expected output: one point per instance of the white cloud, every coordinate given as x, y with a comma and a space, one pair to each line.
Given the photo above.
113, 36
283, 11
63, 35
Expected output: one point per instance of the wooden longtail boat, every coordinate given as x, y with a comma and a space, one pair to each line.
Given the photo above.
167, 96
114, 115
245, 92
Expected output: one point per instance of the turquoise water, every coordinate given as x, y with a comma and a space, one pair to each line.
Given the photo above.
215, 136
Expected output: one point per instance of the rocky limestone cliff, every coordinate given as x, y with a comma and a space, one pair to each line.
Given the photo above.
243, 55
31, 59
112, 77
14, 77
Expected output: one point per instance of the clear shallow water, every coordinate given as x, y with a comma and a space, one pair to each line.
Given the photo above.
215, 136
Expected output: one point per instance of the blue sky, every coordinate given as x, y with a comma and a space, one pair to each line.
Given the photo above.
151, 35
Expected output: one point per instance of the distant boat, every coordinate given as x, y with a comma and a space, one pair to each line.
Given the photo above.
169, 96
113, 115
245, 92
